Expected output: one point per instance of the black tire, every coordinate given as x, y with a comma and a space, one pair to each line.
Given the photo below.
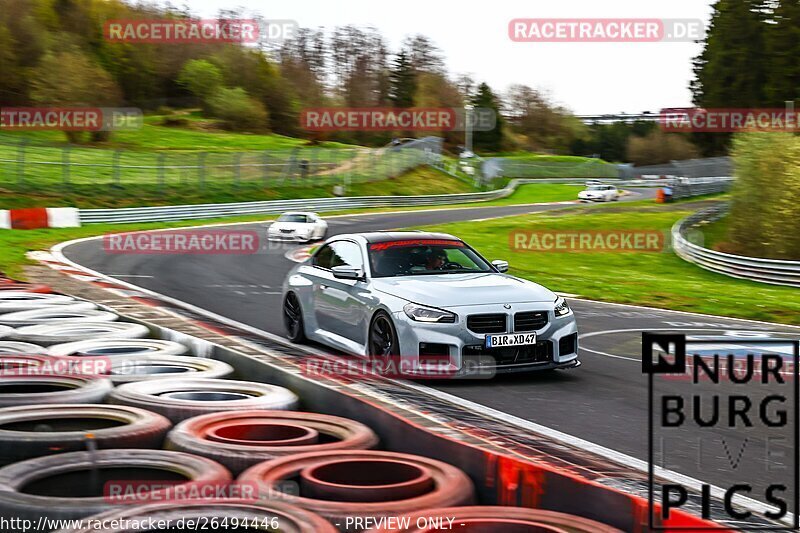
39, 430
242, 439
50, 388
179, 399
133, 368
48, 334
382, 339
60, 486
287, 518
293, 319
118, 347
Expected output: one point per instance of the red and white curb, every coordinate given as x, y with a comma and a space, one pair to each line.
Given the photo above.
40, 217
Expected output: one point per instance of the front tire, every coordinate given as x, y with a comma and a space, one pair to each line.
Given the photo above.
382, 342
293, 319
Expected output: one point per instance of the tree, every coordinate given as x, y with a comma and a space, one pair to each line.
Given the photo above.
492, 140
238, 110
201, 78
403, 82
783, 44
70, 78
731, 71
658, 147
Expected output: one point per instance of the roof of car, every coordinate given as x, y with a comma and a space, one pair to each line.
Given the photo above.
384, 236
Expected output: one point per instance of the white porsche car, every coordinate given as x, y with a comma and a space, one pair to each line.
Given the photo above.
301, 226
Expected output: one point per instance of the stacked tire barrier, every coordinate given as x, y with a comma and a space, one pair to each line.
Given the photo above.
101, 422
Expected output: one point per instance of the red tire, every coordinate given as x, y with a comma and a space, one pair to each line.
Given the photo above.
239, 440
350, 486
494, 518
286, 518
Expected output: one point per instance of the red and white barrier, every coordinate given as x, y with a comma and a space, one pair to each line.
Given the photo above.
40, 217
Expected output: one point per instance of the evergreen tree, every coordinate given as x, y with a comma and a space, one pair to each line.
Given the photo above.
783, 44
731, 72
403, 82
492, 140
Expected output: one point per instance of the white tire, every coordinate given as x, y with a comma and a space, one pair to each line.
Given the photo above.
13, 347
118, 347
13, 301
48, 334
179, 399
133, 368
60, 315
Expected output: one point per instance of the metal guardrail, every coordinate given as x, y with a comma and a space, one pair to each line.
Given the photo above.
686, 188
774, 271
192, 212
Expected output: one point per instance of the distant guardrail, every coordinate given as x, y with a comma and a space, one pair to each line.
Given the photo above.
192, 212
686, 188
774, 271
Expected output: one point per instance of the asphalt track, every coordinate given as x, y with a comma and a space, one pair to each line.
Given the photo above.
604, 402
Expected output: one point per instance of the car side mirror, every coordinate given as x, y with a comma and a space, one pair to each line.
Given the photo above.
347, 272
500, 265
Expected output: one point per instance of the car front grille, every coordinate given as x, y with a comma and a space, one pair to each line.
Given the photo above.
541, 352
530, 320
491, 323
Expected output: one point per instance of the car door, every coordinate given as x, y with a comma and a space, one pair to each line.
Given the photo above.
340, 305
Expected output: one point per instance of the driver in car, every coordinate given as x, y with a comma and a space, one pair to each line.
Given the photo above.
436, 260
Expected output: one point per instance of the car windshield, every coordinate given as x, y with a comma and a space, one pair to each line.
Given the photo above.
424, 257
596, 188
287, 217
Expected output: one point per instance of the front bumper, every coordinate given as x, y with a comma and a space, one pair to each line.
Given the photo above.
461, 350
287, 237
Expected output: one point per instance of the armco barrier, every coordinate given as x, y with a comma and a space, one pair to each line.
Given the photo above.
189, 212
774, 271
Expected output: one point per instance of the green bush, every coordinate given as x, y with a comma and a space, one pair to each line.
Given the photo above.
765, 210
238, 110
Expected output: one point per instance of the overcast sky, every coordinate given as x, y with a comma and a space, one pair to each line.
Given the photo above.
585, 77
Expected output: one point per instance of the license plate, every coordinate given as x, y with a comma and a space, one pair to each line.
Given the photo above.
510, 339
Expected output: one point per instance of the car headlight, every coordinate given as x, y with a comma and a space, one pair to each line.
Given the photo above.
561, 307
420, 313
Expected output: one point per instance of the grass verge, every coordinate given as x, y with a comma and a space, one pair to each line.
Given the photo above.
658, 279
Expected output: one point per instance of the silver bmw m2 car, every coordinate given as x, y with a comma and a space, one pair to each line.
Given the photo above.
430, 299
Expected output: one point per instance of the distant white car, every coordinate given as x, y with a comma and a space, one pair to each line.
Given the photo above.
300, 226
599, 193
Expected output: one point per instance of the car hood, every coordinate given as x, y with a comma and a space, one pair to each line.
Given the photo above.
453, 290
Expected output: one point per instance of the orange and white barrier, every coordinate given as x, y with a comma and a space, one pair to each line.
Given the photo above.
40, 217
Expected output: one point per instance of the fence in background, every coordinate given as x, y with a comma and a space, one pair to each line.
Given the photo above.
27, 165
689, 168
497, 167
774, 271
